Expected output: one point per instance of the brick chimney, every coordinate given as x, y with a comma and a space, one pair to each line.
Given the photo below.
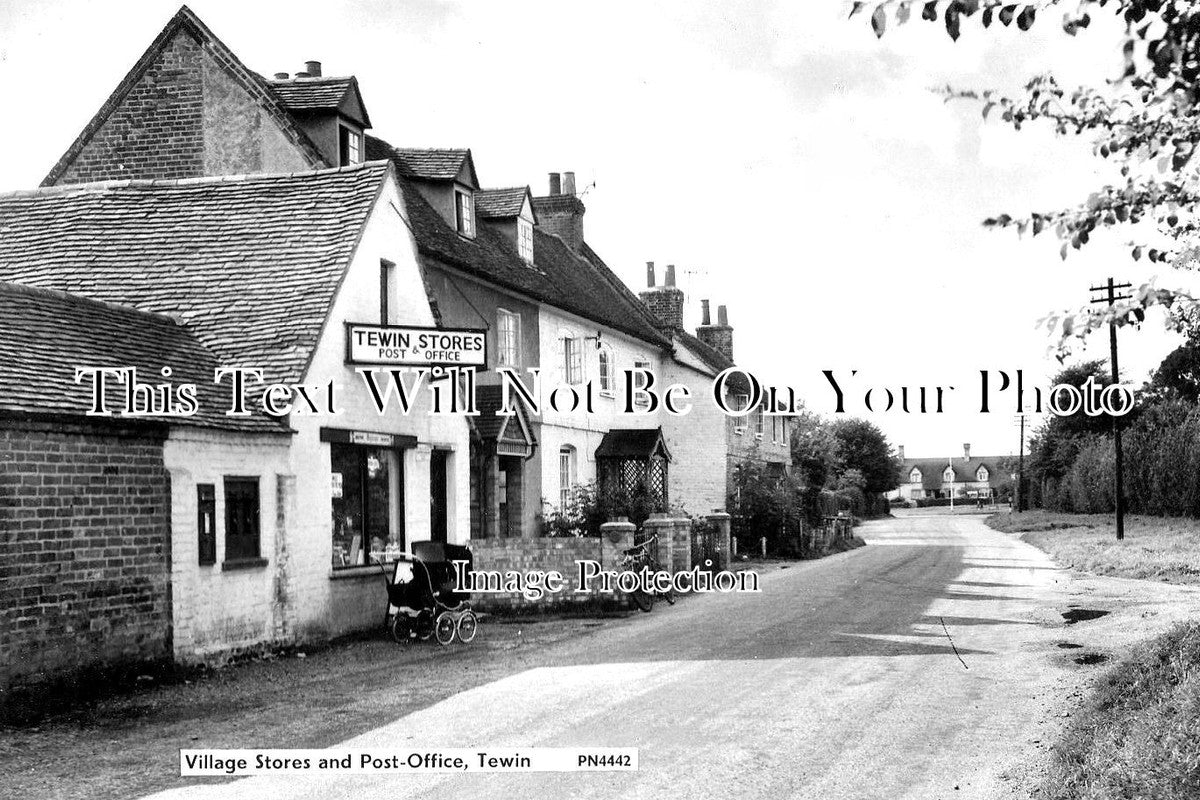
900, 451
967, 451
313, 68
720, 336
665, 302
561, 212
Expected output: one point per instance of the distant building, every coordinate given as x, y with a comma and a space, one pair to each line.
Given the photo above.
965, 477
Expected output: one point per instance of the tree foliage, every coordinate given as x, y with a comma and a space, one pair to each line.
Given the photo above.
1146, 122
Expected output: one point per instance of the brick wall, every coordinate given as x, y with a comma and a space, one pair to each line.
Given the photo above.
666, 304
562, 216
549, 553
157, 132
84, 526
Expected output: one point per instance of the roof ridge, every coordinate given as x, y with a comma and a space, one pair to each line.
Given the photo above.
241, 177
78, 299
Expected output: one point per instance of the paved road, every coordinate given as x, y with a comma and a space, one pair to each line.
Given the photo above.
917, 667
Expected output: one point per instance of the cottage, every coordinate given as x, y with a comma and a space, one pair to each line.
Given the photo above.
965, 479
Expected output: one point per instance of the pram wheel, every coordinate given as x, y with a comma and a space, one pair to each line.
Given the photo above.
402, 628
424, 624
445, 628
468, 626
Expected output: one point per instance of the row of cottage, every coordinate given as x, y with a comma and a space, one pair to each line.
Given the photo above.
211, 218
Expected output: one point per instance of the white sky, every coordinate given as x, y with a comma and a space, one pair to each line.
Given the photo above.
793, 167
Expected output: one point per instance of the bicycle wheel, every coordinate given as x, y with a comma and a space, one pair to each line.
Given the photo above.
468, 626
444, 628
401, 628
643, 599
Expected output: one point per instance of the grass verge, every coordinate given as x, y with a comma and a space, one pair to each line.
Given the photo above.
1139, 734
1154, 548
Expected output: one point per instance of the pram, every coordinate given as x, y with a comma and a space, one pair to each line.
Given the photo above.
422, 602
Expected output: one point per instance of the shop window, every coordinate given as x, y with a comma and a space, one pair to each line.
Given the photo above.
206, 522
241, 519
365, 487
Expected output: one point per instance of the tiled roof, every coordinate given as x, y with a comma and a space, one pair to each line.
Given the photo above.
964, 470
251, 264
186, 20
501, 203
310, 94
432, 165
45, 335
557, 277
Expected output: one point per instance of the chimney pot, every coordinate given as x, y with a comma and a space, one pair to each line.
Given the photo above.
722, 316
670, 274
313, 68
568, 183
705, 319
555, 184
282, 76
967, 451
303, 75
650, 274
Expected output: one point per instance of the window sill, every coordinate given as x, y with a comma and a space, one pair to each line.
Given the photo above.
365, 571
242, 563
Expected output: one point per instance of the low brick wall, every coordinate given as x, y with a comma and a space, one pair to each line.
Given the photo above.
560, 554
84, 532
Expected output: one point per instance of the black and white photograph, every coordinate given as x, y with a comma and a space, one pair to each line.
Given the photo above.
515, 398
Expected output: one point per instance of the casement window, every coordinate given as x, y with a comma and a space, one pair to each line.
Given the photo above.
566, 475
606, 370
758, 423
572, 360
365, 488
206, 523
464, 212
914, 476
386, 270
740, 403
241, 519
525, 239
508, 338
349, 146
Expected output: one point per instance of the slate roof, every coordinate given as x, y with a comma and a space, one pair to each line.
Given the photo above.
964, 470
490, 424
317, 94
632, 443
250, 264
185, 20
45, 335
501, 203
557, 277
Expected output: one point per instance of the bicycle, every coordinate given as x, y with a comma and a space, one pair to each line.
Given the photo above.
641, 557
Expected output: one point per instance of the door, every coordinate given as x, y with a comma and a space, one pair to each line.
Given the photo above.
438, 495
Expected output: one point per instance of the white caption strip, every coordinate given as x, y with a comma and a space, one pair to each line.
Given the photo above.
206, 763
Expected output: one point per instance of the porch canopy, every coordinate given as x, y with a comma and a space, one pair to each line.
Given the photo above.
509, 435
631, 466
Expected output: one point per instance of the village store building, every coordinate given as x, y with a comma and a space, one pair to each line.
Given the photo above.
271, 541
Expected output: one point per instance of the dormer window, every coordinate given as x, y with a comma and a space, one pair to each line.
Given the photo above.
464, 213
349, 146
948, 475
914, 476
525, 239
981, 474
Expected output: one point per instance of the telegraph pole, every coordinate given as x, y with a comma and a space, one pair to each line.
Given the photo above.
1111, 297
1022, 503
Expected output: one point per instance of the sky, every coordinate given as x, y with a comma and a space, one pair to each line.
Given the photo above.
792, 166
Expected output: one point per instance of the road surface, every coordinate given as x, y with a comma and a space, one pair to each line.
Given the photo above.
920, 666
